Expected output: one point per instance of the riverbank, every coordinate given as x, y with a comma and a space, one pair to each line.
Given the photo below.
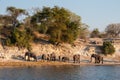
12, 56
49, 63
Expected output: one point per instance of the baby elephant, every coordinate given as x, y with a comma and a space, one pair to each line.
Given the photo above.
65, 59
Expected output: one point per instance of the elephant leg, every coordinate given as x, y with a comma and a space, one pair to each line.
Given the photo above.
91, 60
74, 61
59, 58
36, 59
54, 58
99, 60
26, 58
96, 60
79, 60
102, 60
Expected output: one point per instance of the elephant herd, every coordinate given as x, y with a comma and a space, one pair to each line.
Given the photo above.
29, 56
51, 57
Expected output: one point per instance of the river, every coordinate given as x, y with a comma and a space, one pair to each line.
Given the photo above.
65, 72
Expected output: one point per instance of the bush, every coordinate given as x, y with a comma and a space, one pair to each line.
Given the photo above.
60, 24
108, 48
19, 38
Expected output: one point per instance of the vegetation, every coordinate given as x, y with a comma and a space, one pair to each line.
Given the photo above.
83, 31
60, 24
19, 38
113, 30
15, 13
108, 48
95, 33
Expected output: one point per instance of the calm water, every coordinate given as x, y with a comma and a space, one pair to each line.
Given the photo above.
61, 73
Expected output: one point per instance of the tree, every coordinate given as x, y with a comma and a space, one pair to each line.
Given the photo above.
108, 48
58, 23
59, 18
82, 27
20, 38
15, 13
5, 19
83, 31
95, 33
113, 30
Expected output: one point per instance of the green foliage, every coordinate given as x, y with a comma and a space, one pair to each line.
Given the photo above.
71, 33
19, 38
14, 14
8, 42
95, 33
108, 48
58, 23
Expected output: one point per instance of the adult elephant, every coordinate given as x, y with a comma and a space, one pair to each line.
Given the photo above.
97, 58
45, 57
30, 56
52, 57
76, 58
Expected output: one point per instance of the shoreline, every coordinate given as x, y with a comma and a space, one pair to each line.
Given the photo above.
50, 63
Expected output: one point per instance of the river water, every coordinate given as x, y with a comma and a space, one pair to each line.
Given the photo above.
61, 73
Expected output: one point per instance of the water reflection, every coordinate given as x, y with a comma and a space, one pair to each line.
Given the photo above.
61, 73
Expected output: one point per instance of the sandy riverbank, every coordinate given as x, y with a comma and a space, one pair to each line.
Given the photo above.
45, 63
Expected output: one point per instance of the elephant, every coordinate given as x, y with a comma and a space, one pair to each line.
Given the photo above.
59, 58
44, 57
64, 59
48, 57
76, 58
97, 57
29, 56
52, 57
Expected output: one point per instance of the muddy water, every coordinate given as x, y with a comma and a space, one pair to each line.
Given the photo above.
61, 73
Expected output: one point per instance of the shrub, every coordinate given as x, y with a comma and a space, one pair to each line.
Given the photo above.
19, 38
108, 48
